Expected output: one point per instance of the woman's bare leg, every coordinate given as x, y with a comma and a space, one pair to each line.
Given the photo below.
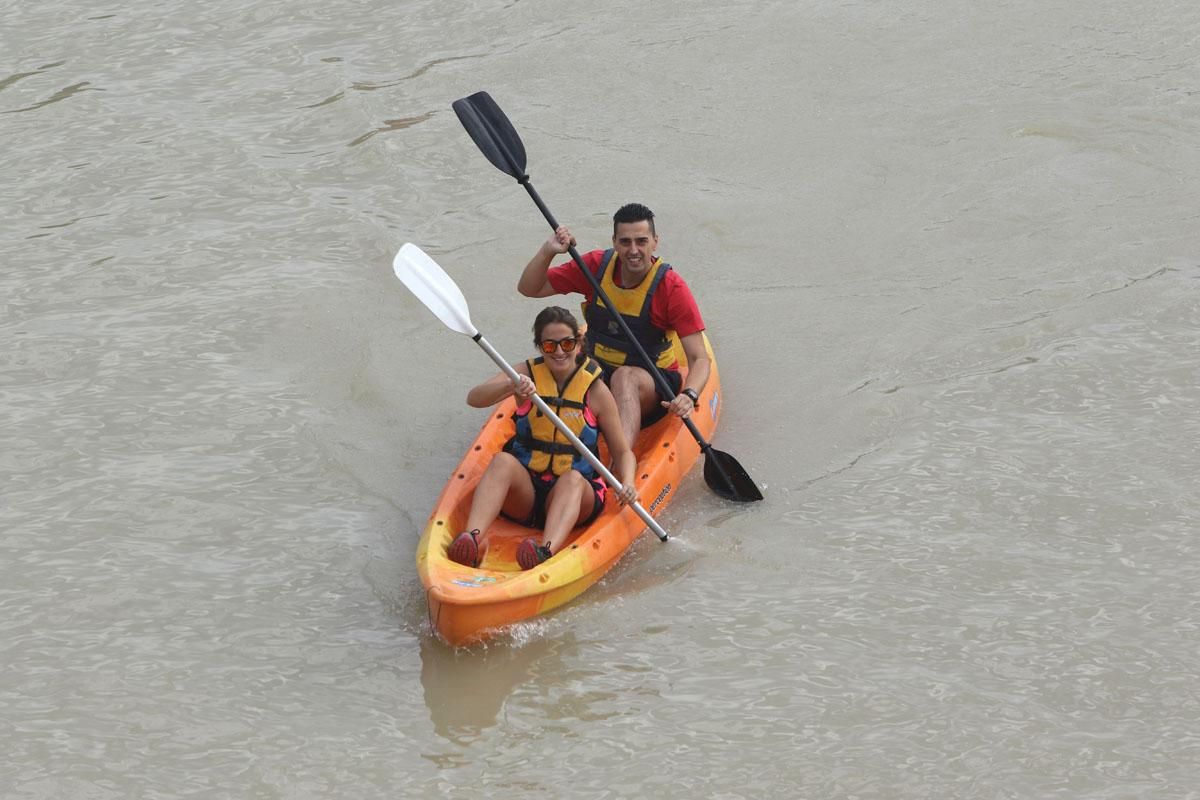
571, 500
505, 485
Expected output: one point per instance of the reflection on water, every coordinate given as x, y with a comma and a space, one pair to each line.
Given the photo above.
465, 689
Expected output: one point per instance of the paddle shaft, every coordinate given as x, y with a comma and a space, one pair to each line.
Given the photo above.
575, 442
663, 386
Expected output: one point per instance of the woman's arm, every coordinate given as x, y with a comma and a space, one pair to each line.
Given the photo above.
499, 386
624, 462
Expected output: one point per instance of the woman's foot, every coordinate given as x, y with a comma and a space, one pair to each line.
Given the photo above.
530, 553
465, 548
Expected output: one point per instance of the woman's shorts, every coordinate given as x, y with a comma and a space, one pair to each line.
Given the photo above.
542, 484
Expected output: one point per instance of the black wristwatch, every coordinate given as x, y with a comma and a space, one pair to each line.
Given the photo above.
691, 393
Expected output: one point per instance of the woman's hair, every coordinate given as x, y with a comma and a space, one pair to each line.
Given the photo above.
551, 314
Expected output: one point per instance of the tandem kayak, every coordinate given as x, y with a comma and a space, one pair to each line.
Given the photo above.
468, 604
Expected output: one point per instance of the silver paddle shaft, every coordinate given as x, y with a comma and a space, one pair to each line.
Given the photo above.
580, 446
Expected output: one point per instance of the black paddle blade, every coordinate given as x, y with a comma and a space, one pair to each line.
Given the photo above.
725, 476
492, 133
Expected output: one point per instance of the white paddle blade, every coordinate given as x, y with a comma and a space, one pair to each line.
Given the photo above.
433, 287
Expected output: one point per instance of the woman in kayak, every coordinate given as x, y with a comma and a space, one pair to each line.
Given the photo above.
539, 480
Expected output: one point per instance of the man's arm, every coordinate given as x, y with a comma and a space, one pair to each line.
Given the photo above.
698, 361
533, 281
699, 366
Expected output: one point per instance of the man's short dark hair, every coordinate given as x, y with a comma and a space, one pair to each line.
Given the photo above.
633, 212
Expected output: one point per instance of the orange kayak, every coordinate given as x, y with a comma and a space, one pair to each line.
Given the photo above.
467, 604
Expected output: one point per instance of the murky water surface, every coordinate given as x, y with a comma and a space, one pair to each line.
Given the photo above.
949, 260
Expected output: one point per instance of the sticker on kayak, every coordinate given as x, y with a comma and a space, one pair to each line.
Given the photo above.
666, 490
712, 406
474, 582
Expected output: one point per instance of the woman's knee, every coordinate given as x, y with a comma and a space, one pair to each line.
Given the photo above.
570, 482
504, 463
504, 470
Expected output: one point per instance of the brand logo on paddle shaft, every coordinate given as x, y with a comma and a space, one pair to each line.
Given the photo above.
666, 490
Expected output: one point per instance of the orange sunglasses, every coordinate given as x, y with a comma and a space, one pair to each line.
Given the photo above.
568, 344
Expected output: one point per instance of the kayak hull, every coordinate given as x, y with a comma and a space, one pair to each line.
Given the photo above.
468, 605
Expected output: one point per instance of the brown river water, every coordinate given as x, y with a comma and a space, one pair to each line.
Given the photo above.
949, 257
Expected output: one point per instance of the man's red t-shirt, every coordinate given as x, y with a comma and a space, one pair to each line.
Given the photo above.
671, 308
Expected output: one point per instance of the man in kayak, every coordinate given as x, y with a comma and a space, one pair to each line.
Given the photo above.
538, 480
652, 298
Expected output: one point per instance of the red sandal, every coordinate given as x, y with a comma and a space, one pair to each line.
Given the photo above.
530, 553
465, 548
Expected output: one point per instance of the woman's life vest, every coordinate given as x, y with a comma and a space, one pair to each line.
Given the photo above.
538, 444
606, 340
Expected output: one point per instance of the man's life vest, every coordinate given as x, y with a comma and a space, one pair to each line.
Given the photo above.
538, 444
604, 336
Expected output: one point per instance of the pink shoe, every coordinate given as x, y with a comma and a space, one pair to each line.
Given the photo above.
465, 549
530, 553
